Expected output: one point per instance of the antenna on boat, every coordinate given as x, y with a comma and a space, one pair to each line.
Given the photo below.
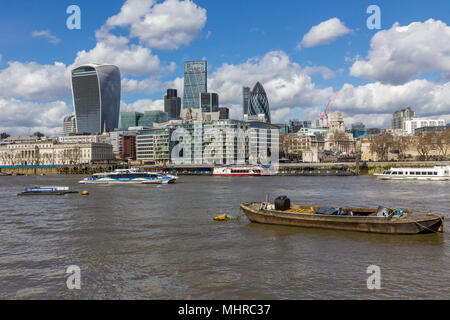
267, 197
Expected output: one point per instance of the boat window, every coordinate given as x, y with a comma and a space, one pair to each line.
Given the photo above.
430, 173
401, 173
395, 172
388, 172
435, 173
424, 173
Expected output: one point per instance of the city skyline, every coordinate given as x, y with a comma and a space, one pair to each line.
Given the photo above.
302, 63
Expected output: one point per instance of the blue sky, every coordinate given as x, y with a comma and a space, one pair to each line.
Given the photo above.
239, 38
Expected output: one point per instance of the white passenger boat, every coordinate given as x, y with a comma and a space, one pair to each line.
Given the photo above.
129, 176
50, 190
229, 171
437, 173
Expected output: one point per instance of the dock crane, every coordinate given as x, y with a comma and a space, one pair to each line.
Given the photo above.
327, 111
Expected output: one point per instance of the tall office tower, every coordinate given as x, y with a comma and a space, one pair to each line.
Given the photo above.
195, 82
246, 99
69, 125
209, 102
96, 97
129, 119
259, 104
399, 118
172, 104
224, 113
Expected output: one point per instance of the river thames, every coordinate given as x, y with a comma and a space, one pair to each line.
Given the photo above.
160, 241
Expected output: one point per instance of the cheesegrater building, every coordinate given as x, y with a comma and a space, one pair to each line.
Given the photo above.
96, 97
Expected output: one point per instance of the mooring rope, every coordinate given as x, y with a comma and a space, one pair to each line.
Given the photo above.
440, 218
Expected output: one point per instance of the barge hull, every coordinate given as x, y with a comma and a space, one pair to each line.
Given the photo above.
430, 225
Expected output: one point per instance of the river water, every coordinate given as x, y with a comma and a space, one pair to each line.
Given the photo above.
160, 242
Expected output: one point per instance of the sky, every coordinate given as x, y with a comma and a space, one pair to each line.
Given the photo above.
305, 53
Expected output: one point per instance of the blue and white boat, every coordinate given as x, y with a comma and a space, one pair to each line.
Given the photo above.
50, 190
129, 176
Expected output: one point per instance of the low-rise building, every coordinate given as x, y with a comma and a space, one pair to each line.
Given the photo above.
54, 153
302, 147
338, 140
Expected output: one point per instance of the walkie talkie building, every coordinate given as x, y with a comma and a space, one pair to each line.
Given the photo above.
96, 98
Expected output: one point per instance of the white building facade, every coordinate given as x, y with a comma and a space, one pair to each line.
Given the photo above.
412, 125
53, 153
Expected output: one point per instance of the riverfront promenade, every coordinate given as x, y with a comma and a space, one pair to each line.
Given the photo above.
283, 169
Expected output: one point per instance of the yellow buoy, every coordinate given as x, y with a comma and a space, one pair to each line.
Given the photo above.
84, 193
222, 217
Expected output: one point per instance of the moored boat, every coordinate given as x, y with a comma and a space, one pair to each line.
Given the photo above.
232, 171
436, 173
52, 190
129, 176
374, 220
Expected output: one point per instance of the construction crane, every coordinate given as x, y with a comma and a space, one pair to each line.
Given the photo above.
327, 111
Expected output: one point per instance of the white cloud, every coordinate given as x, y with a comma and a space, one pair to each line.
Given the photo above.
33, 81
25, 117
166, 25
131, 59
142, 105
402, 52
324, 33
46, 34
376, 102
148, 85
286, 83
326, 73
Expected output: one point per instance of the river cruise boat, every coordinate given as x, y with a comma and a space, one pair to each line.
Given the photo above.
372, 220
229, 171
129, 176
39, 191
438, 173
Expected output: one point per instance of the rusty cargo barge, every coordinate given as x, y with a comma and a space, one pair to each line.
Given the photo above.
373, 220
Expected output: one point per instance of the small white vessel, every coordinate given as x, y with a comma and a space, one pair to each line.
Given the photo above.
50, 190
129, 176
437, 173
229, 171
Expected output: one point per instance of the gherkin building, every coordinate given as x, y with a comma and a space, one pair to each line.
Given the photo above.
259, 104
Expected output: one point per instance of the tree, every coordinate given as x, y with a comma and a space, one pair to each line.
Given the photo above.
425, 144
443, 143
381, 145
401, 145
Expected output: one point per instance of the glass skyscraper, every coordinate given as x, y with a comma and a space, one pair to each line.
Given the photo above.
172, 104
209, 102
96, 97
246, 98
195, 82
258, 103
